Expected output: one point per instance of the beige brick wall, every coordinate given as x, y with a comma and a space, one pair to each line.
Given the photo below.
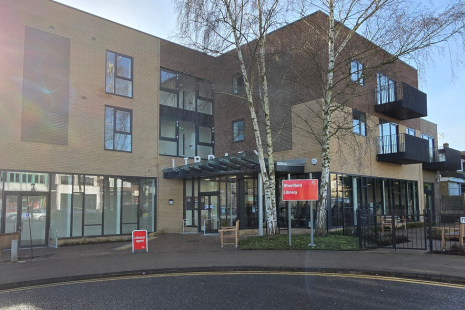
85, 151
90, 38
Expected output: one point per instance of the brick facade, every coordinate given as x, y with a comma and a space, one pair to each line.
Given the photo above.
294, 88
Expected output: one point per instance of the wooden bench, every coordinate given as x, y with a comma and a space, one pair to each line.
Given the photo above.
458, 232
386, 220
5, 241
227, 233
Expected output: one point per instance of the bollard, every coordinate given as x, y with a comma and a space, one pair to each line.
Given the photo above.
14, 251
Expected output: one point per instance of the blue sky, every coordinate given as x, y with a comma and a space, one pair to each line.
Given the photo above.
446, 108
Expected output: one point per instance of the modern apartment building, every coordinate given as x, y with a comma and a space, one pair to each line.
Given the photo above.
106, 129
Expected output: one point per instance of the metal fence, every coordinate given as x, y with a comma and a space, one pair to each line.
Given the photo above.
398, 230
409, 230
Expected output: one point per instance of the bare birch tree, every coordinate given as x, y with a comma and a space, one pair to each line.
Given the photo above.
214, 26
394, 30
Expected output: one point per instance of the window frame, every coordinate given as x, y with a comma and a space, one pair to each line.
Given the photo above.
359, 72
409, 131
117, 76
241, 120
115, 109
236, 90
360, 115
379, 91
179, 114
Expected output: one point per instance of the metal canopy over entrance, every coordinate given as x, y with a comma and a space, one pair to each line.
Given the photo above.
241, 163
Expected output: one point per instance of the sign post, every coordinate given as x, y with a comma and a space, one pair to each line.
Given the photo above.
299, 190
462, 220
140, 242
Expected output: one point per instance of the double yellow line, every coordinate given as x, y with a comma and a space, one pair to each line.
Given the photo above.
219, 273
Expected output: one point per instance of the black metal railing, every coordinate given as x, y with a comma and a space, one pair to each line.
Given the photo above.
401, 101
391, 144
402, 149
443, 159
397, 230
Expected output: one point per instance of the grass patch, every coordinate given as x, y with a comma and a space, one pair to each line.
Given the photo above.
332, 242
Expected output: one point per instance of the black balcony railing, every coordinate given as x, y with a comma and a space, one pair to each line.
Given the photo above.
402, 149
445, 159
401, 101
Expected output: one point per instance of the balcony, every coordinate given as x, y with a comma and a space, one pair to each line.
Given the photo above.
445, 159
402, 149
401, 101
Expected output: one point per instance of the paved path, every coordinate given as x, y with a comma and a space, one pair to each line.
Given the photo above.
195, 251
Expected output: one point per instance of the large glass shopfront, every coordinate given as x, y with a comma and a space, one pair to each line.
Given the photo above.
75, 205
377, 195
213, 202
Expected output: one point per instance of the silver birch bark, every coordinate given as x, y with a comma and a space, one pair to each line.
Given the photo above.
268, 177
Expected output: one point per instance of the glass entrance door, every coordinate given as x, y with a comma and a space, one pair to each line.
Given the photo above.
27, 214
209, 213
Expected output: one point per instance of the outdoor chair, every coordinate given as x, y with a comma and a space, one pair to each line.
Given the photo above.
228, 233
458, 232
387, 221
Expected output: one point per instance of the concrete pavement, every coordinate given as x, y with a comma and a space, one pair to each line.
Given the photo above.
178, 253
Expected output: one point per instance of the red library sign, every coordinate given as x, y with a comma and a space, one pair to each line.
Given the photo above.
139, 241
300, 190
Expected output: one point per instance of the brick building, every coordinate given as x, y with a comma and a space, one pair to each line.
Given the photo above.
98, 118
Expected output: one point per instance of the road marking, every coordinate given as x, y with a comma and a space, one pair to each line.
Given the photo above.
218, 273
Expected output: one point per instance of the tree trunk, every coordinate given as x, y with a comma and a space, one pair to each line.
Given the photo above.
322, 199
268, 178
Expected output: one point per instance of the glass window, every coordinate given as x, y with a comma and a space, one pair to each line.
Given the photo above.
238, 85
168, 99
112, 205
61, 195
205, 107
118, 74
205, 134
23, 181
387, 137
430, 146
130, 201
203, 151
186, 139
386, 89
93, 205
209, 185
167, 147
147, 204
359, 123
118, 129
205, 90
168, 128
410, 131
238, 130
190, 132
356, 72
168, 79
77, 214
186, 92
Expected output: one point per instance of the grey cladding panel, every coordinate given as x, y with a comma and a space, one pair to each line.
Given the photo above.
45, 105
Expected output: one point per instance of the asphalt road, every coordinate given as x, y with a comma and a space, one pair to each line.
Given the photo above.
239, 291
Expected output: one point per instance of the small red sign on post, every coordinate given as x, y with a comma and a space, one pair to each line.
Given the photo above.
140, 241
300, 190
